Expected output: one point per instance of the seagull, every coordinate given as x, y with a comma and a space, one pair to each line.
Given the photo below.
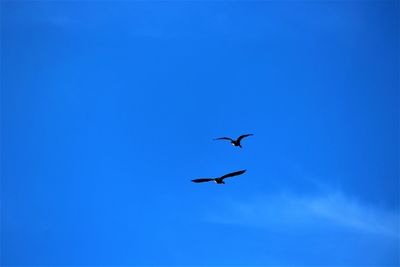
234, 142
219, 180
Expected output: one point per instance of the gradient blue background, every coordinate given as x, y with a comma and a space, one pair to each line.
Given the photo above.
108, 109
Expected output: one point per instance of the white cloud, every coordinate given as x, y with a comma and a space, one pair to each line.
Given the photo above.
289, 210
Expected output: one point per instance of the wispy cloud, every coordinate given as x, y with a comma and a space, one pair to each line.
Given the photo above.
329, 209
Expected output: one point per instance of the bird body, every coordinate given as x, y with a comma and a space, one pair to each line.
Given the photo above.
235, 142
219, 180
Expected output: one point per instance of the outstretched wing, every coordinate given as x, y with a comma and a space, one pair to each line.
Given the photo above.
224, 138
233, 174
202, 180
243, 136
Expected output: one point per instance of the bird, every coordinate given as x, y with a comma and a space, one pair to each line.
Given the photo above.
219, 180
234, 142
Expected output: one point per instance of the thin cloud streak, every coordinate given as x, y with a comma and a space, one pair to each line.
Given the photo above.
289, 210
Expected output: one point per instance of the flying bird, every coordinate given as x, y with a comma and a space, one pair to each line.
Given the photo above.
234, 142
219, 180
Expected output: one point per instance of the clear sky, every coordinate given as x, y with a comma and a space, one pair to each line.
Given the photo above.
109, 109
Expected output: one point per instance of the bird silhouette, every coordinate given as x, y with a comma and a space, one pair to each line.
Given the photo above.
234, 142
219, 180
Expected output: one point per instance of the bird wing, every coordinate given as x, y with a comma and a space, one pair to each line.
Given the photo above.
202, 180
224, 138
233, 174
243, 136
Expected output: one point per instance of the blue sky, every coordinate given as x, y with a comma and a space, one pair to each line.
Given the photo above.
109, 109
